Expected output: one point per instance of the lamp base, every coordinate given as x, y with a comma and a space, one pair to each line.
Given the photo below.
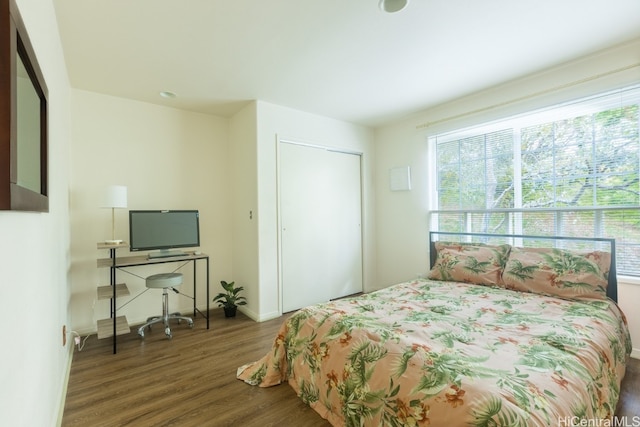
113, 242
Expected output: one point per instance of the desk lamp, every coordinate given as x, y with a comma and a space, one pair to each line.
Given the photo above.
115, 197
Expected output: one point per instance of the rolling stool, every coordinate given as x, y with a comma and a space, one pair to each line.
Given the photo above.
165, 281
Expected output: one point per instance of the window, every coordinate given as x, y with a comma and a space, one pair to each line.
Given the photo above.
572, 170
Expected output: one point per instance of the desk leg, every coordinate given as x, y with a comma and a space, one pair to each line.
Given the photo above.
112, 279
194, 288
208, 298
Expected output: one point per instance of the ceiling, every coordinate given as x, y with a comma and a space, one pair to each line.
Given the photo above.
344, 59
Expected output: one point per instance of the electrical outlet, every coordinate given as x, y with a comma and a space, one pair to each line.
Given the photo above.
64, 335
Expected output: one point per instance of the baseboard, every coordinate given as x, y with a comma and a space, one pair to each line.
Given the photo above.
254, 316
63, 397
635, 353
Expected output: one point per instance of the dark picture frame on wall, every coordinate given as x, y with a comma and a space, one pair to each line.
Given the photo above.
23, 118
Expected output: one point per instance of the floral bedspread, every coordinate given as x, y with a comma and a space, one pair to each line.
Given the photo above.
445, 353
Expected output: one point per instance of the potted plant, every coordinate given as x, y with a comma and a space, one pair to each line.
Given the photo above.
230, 299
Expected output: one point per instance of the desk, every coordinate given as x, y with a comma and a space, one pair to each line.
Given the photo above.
114, 263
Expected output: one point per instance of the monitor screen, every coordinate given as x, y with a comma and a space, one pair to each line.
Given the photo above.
150, 230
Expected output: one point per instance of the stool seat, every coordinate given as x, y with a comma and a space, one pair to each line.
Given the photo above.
164, 280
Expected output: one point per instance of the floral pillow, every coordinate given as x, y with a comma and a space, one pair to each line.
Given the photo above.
470, 262
557, 272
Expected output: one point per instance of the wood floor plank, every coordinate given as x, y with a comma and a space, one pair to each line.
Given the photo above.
190, 380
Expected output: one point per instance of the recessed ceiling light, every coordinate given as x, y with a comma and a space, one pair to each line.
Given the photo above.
392, 6
167, 94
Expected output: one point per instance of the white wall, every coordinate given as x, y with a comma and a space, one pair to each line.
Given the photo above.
628, 297
279, 122
34, 258
402, 216
168, 159
244, 206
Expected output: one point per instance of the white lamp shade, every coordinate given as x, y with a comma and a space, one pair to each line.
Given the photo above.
115, 197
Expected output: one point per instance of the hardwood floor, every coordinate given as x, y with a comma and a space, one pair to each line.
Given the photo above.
629, 403
190, 380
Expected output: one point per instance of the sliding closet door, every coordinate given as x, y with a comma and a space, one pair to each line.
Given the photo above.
345, 245
320, 217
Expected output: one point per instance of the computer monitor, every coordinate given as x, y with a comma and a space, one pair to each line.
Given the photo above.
163, 230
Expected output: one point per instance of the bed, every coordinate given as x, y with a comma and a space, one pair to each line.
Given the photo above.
500, 332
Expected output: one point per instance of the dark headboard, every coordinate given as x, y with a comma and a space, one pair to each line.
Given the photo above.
595, 243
